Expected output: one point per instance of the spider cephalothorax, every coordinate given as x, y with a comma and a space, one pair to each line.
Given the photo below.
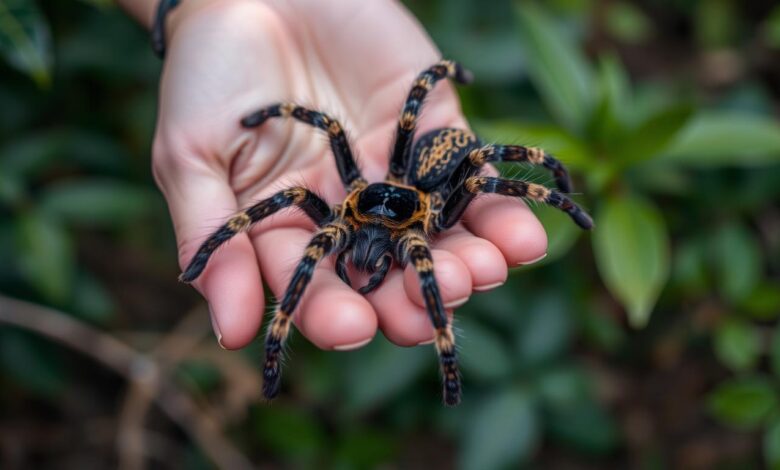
428, 187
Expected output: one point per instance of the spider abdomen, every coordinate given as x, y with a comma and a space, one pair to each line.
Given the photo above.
437, 155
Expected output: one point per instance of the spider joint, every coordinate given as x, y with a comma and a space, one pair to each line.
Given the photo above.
535, 155
239, 222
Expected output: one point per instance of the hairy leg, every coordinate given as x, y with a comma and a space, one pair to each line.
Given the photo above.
345, 161
518, 153
311, 204
463, 195
329, 239
402, 147
412, 247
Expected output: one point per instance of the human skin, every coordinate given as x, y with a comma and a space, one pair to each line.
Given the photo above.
355, 60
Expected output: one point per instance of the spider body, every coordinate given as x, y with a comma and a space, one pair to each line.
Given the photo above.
429, 185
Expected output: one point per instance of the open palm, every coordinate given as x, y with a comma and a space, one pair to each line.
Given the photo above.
354, 60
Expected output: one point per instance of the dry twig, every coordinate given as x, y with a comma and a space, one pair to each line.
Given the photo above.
141, 370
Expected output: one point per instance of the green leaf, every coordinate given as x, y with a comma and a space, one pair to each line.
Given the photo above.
771, 28
772, 444
46, 255
587, 428
500, 305
96, 202
737, 344
563, 387
627, 23
738, 257
690, 266
602, 331
24, 39
716, 23
12, 191
609, 118
380, 370
365, 448
546, 330
556, 66
763, 303
653, 135
726, 138
744, 402
503, 431
290, 431
483, 354
631, 246
38, 152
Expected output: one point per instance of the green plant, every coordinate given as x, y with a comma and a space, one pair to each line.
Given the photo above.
633, 144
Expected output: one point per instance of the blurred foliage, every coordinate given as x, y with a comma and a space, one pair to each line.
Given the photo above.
664, 111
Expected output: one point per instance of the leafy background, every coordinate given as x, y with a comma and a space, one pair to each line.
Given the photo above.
651, 343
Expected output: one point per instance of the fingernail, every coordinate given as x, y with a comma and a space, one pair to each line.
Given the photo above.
535, 260
426, 342
215, 326
488, 286
351, 346
456, 303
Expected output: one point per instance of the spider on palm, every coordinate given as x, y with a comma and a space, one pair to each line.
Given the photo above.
428, 187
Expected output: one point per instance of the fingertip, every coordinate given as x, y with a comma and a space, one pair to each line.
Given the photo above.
336, 317
330, 314
231, 285
484, 261
452, 276
403, 322
510, 225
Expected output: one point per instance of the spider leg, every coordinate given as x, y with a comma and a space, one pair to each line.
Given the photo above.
345, 162
331, 238
341, 267
311, 204
464, 194
383, 266
519, 153
402, 148
413, 247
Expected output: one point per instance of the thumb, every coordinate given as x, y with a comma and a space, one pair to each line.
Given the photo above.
199, 202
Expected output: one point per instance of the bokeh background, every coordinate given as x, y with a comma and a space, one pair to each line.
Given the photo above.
651, 343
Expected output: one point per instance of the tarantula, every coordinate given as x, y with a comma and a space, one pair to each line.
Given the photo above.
428, 187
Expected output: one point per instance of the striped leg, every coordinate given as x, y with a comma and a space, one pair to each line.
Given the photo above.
331, 238
413, 248
345, 161
311, 204
402, 148
518, 153
463, 195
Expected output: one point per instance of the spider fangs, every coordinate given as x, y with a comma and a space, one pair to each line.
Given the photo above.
428, 187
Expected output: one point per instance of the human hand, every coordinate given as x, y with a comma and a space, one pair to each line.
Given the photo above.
354, 60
